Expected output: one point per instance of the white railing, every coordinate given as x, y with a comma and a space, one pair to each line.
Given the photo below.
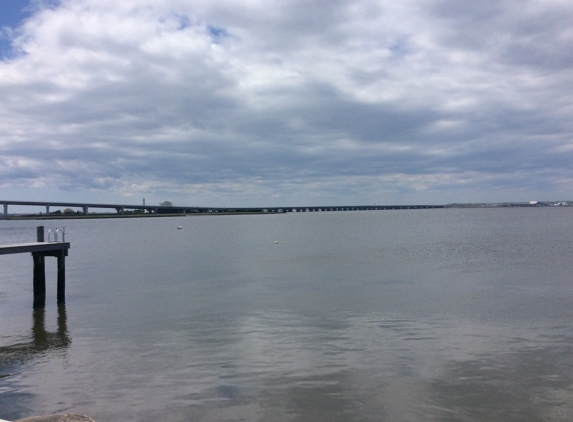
57, 235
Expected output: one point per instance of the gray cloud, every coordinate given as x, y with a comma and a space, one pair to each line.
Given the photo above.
280, 102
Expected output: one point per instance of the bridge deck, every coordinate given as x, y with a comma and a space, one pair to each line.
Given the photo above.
40, 248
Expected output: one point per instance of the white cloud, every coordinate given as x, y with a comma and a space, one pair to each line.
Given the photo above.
195, 100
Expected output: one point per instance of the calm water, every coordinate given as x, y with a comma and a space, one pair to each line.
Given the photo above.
414, 315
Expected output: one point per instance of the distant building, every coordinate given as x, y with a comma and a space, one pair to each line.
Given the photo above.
166, 204
532, 202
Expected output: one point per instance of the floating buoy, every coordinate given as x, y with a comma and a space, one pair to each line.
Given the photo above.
179, 227
276, 242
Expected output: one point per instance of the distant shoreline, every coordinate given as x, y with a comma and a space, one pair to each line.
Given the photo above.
57, 209
58, 216
96, 216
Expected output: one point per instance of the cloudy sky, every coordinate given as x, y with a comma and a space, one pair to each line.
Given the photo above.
291, 102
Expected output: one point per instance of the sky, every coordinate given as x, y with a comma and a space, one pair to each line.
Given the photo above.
291, 102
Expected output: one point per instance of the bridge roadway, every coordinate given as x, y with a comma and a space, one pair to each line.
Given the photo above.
171, 209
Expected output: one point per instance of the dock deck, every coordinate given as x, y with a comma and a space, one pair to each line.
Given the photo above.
39, 251
40, 248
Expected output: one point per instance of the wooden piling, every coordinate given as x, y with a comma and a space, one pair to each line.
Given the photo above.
40, 234
61, 278
40, 250
39, 273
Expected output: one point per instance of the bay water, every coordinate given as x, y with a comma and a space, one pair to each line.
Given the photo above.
404, 315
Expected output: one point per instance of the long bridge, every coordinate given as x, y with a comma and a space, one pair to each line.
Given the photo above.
175, 209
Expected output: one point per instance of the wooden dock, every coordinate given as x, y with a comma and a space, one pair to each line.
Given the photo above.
35, 247
39, 251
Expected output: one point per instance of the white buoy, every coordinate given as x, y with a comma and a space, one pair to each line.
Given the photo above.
179, 228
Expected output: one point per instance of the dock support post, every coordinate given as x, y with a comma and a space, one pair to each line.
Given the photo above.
39, 273
61, 278
39, 281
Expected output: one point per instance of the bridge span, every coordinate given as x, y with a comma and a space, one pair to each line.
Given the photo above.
173, 209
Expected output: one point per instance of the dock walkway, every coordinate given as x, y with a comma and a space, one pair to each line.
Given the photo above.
39, 251
47, 249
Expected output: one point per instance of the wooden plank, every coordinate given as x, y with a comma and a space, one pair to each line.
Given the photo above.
34, 247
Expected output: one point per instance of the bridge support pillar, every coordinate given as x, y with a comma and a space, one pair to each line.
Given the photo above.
47, 210
119, 210
85, 208
5, 210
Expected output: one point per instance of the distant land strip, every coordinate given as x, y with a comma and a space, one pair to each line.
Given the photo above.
82, 209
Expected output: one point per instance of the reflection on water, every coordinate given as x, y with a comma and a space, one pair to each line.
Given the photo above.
376, 367
41, 341
306, 367
41, 344
531, 384
452, 315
